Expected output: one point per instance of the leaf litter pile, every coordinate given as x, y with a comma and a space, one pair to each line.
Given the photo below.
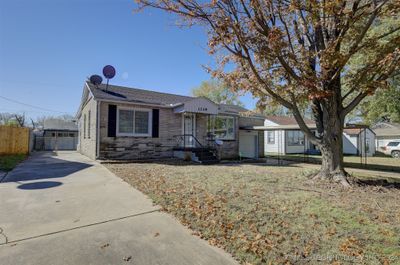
274, 215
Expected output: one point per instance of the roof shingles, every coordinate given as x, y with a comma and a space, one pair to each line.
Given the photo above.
119, 93
59, 124
135, 95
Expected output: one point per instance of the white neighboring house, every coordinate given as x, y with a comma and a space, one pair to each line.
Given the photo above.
358, 141
283, 136
386, 132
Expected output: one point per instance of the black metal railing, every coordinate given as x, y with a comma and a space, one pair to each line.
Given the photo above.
210, 139
190, 142
187, 141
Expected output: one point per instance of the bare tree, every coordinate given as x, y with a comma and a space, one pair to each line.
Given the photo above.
20, 119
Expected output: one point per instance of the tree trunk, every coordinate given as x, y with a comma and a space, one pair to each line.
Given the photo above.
331, 145
332, 167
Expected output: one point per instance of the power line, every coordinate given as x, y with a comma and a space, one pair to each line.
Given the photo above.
26, 111
32, 106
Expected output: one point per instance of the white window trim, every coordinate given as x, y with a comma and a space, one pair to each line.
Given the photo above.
234, 128
133, 134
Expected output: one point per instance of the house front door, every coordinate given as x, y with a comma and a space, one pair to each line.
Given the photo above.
189, 129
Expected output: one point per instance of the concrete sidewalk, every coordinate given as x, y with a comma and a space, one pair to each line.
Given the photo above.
66, 209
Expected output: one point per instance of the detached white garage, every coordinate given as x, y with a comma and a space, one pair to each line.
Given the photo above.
249, 144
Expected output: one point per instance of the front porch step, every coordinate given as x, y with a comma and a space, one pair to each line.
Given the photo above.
210, 162
202, 155
206, 157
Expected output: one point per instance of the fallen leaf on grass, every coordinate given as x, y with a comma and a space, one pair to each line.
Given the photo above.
351, 247
105, 245
331, 231
213, 242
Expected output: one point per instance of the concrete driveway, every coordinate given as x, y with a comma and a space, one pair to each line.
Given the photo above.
63, 208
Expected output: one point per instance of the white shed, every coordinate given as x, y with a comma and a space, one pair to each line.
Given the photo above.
358, 141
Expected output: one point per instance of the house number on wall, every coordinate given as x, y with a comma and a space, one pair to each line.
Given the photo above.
202, 109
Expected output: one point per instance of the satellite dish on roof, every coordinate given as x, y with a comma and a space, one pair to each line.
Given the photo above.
96, 80
109, 71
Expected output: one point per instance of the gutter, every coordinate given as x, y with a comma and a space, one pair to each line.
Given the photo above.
134, 103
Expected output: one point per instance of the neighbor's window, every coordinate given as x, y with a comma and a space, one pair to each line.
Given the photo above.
271, 137
134, 122
223, 127
295, 138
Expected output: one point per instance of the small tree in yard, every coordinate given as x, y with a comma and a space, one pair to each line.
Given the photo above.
298, 52
218, 92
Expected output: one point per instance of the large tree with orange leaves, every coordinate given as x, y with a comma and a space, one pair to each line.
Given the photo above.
299, 51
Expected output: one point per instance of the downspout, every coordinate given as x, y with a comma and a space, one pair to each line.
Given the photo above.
98, 129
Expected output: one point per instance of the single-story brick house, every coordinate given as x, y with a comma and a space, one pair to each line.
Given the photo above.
283, 136
128, 123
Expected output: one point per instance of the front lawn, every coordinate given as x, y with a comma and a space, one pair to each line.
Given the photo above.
384, 163
274, 215
8, 162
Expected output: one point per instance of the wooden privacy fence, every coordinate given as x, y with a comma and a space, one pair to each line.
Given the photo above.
14, 140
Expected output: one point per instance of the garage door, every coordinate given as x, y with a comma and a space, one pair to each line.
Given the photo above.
60, 143
248, 144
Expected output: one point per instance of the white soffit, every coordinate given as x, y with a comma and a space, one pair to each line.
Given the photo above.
198, 105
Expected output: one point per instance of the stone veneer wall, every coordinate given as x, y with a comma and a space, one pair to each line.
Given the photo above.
132, 147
